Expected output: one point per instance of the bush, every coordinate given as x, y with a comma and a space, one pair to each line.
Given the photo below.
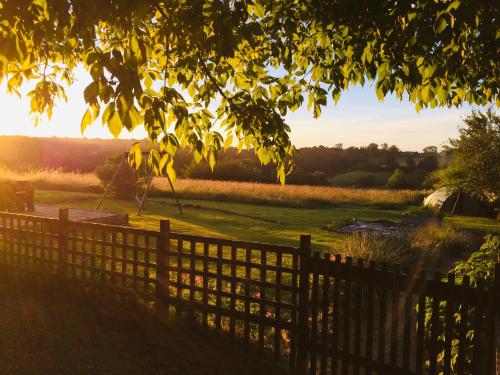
397, 180
426, 244
377, 247
481, 264
433, 241
126, 183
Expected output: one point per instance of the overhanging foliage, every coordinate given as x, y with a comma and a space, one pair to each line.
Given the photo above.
205, 73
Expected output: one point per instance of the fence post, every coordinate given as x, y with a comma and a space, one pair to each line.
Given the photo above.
303, 329
496, 317
62, 242
162, 265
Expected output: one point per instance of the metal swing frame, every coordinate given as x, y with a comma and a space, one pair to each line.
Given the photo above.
149, 180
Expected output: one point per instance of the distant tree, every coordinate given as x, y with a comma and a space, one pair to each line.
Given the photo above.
338, 146
372, 147
410, 163
475, 167
181, 68
430, 150
397, 180
384, 146
428, 163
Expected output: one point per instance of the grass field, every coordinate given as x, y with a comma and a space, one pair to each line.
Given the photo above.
229, 191
281, 225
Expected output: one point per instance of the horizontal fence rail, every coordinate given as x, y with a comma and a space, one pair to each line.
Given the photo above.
321, 314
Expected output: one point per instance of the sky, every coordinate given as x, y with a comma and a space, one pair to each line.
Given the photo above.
357, 120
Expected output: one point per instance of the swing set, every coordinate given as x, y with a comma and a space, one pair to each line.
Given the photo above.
140, 196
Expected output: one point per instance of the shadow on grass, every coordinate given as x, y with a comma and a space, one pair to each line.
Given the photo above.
47, 329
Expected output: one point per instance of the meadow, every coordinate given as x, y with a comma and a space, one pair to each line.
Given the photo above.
230, 191
267, 212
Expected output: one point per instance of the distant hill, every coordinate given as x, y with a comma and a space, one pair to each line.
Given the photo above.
367, 166
70, 154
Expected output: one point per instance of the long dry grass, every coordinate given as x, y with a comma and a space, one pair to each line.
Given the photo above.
290, 195
54, 179
230, 191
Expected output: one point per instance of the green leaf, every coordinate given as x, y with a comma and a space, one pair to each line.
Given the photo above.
86, 120
115, 124
258, 9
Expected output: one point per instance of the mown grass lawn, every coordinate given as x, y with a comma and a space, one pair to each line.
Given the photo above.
281, 225
53, 330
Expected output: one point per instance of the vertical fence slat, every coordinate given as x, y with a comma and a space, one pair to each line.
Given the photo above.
233, 293
277, 312
346, 317
382, 324
395, 316
433, 346
369, 319
205, 283
218, 286
314, 314
262, 297
407, 320
357, 319
462, 331
336, 313
303, 330
449, 329
324, 319
478, 354
421, 323
248, 277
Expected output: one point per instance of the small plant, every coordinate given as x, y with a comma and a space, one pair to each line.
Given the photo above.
433, 241
377, 247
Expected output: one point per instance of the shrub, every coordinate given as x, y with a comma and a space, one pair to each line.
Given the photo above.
377, 247
126, 182
425, 245
433, 241
397, 180
481, 264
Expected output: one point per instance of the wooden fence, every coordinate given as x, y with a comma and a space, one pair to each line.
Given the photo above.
322, 315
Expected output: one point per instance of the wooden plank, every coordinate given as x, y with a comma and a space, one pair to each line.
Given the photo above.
395, 317
462, 332
277, 311
324, 321
336, 316
346, 318
407, 322
382, 324
478, 354
357, 319
248, 277
314, 315
294, 303
218, 286
420, 329
433, 345
205, 283
303, 329
233, 292
262, 299
369, 321
448, 338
